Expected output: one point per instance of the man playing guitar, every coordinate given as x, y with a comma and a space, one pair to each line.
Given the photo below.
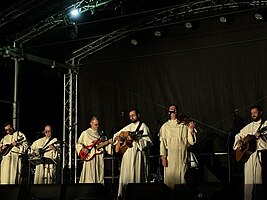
253, 164
90, 149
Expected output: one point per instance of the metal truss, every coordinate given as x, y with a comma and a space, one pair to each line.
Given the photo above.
69, 156
18, 9
189, 11
56, 19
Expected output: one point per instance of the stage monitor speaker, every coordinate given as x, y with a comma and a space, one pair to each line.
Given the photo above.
45, 192
187, 192
12, 192
145, 191
88, 191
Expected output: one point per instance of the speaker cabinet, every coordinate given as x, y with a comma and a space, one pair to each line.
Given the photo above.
88, 191
12, 192
45, 192
145, 191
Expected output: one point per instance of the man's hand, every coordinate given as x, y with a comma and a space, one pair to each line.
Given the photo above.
164, 161
14, 143
85, 150
52, 147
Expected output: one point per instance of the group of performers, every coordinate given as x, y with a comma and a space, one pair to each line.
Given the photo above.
42, 153
133, 143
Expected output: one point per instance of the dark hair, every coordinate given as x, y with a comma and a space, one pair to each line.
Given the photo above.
137, 112
8, 123
176, 110
258, 107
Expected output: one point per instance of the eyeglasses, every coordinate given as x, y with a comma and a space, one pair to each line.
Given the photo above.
8, 129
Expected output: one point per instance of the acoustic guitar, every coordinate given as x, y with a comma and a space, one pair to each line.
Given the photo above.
39, 153
8, 147
97, 144
248, 146
125, 142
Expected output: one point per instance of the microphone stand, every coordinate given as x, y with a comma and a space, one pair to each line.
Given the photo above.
112, 154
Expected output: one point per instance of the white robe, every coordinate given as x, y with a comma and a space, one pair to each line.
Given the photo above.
11, 163
45, 173
175, 139
253, 167
92, 170
134, 164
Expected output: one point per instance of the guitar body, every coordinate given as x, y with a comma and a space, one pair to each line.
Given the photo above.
246, 149
126, 143
97, 145
8, 147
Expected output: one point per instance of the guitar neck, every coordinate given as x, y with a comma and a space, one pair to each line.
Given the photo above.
103, 144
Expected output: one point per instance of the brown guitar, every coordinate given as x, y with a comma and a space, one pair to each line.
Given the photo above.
8, 147
125, 142
248, 146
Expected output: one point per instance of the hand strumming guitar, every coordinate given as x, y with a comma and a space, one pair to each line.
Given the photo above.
85, 150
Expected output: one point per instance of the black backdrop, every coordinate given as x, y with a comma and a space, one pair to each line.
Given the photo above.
208, 72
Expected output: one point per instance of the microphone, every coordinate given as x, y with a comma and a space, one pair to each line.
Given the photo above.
122, 114
101, 133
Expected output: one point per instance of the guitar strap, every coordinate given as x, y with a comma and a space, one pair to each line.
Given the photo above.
138, 127
47, 142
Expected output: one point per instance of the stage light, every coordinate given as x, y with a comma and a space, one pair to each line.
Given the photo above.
134, 41
260, 15
188, 25
192, 25
227, 19
159, 32
73, 31
75, 12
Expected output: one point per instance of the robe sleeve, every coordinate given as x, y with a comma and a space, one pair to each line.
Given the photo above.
163, 143
80, 144
144, 141
191, 136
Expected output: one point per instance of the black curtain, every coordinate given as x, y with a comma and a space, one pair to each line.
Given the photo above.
209, 73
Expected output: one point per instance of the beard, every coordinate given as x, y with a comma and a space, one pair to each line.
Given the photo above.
134, 120
256, 118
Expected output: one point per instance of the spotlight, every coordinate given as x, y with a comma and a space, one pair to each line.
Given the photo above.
134, 41
188, 25
73, 31
160, 33
75, 12
260, 15
157, 33
227, 19
193, 25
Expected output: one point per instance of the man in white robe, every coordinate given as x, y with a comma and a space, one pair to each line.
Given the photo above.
175, 139
93, 161
13, 145
134, 163
44, 152
253, 166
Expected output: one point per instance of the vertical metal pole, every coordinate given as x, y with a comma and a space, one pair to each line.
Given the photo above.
64, 134
15, 100
75, 126
70, 121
